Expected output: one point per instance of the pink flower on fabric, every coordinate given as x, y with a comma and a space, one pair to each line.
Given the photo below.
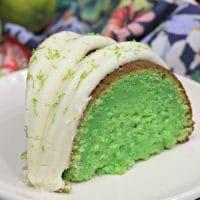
146, 17
126, 21
136, 29
122, 33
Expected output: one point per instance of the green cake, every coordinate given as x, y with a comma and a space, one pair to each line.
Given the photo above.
95, 107
138, 110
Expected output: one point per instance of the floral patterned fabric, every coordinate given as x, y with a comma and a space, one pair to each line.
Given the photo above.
133, 22
170, 27
177, 41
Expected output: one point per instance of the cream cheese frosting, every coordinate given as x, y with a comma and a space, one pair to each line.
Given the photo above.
59, 83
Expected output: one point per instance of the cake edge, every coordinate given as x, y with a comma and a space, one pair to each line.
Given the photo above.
127, 69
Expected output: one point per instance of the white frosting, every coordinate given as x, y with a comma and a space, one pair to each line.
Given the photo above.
55, 105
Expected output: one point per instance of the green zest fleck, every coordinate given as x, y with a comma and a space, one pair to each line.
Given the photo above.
40, 47
41, 78
42, 148
140, 46
65, 111
54, 105
72, 38
74, 118
82, 77
137, 47
135, 51
60, 96
53, 54
26, 130
117, 52
35, 102
84, 74
36, 138
80, 60
23, 155
54, 66
69, 74
33, 60
66, 189
93, 65
30, 78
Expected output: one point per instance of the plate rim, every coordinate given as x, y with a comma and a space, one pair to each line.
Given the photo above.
9, 195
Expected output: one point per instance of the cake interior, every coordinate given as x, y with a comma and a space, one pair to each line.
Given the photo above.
137, 111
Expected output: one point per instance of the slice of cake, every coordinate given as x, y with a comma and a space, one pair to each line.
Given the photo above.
95, 107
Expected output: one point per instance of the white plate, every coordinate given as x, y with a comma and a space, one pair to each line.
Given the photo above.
173, 174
